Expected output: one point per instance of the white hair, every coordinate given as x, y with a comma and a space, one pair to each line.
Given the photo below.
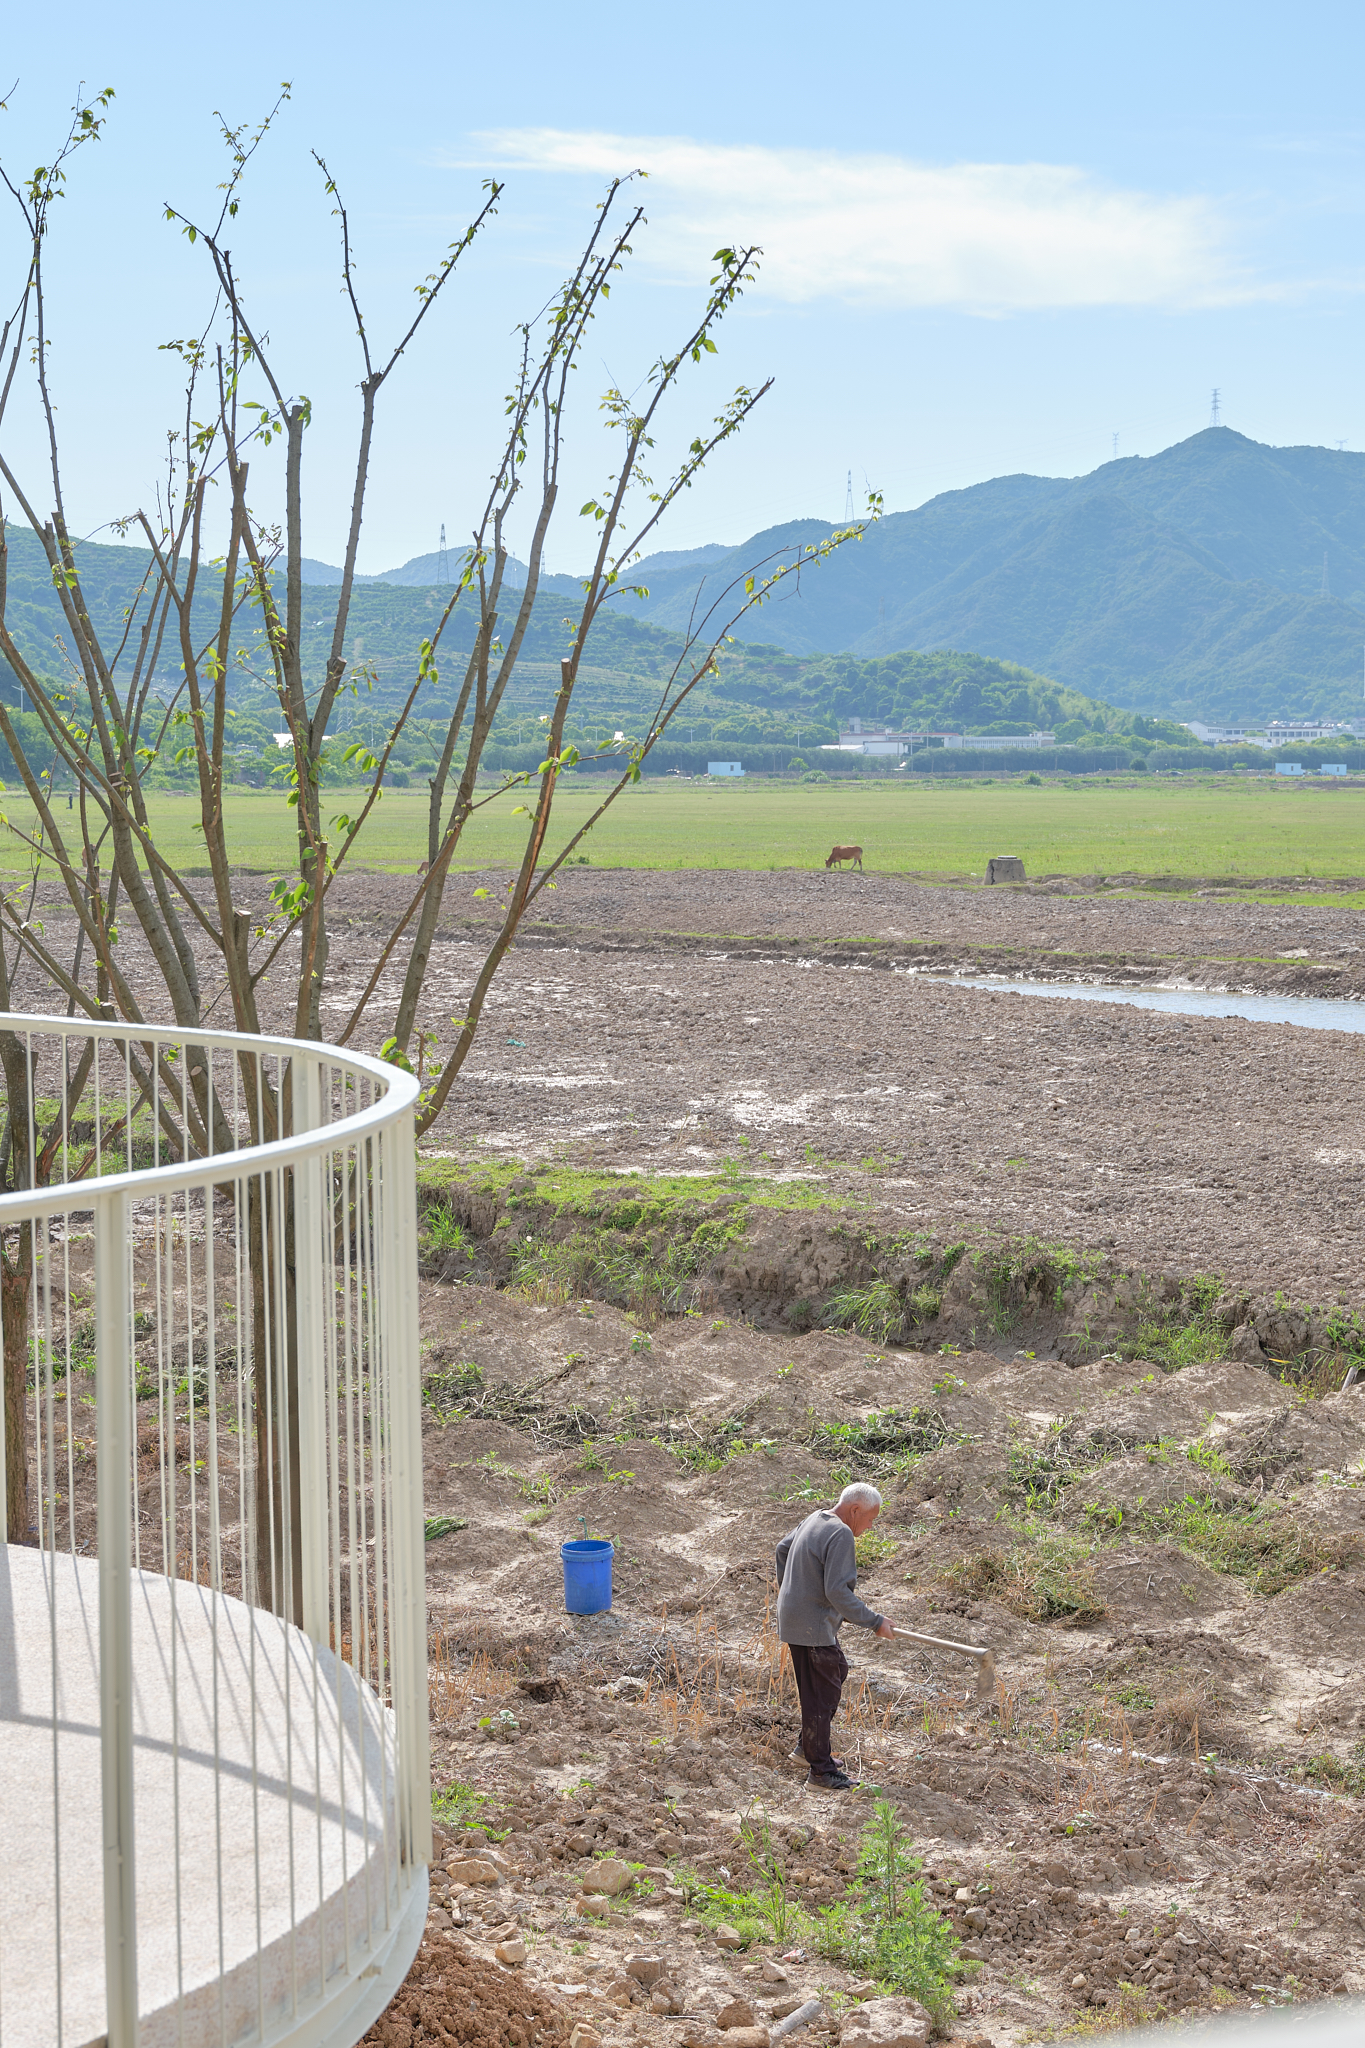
860, 1495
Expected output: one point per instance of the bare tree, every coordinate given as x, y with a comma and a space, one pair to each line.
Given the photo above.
115, 717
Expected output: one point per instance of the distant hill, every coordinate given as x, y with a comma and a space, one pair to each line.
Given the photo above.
1186, 584
763, 695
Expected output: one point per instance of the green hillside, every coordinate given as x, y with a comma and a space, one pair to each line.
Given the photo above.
1188, 584
763, 696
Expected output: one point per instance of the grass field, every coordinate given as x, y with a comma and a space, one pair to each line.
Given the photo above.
1219, 825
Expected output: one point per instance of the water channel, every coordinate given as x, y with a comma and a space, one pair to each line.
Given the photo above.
1315, 1013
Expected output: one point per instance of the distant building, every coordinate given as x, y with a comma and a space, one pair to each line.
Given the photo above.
1289, 732
1226, 735
1280, 732
1332, 768
991, 742
857, 738
1289, 767
724, 768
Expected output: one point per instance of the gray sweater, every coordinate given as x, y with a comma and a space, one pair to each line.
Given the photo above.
817, 1574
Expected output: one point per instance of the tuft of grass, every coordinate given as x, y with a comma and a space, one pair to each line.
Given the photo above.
437, 1526
1335, 1773
888, 1440
875, 1312
873, 1548
454, 1391
441, 1233
1047, 1577
1267, 1547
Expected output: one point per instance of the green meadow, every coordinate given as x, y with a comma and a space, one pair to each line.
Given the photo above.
1220, 825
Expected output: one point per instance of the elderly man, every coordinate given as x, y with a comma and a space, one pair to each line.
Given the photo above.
817, 1578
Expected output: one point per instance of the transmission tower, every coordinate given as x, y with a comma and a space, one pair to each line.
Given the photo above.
442, 561
1326, 590
848, 500
1115, 439
1215, 409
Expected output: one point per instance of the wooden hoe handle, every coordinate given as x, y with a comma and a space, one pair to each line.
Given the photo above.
985, 1658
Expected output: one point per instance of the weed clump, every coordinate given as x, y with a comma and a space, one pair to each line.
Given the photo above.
1267, 1547
1047, 1577
884, 1927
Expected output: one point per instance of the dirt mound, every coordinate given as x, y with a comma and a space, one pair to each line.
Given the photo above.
451, 1997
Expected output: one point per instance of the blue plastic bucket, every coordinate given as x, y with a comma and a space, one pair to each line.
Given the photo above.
587, 1575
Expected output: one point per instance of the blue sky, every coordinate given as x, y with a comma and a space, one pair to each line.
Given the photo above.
995, 236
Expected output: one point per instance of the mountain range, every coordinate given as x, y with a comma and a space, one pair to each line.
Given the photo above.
1221, 579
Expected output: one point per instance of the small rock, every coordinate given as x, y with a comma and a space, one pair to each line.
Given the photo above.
976, 1917
621, 1992
511, 1952
1078, 1981
738, 2013
862, 1992
747, 2037
693, 1927
1064, 1895
771, 1973
437, 1916
664, 1998
610, 1876
962, 1896
726, 1937
788, 2005
886, 2023
585, 2037
593, 1908
472, 1870
646, 1970
971, 1952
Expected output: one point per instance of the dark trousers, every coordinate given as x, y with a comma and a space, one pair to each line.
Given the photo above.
820, 1669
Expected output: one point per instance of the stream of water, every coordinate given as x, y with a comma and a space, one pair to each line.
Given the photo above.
1315, 1013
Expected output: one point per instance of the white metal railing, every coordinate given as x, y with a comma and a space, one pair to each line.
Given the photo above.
215, 1811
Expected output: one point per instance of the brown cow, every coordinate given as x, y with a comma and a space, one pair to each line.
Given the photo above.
839, 854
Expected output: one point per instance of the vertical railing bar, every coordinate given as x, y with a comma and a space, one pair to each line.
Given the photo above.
380, 1433
66, 1315
284, 1548
190, 1419
50, 1578
215, 1540
113, 1460
401, 1142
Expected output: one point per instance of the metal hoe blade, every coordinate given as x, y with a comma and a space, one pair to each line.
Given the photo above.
985, 1658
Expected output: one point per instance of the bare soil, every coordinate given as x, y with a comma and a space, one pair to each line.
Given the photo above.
1145, 1795
1162, 1796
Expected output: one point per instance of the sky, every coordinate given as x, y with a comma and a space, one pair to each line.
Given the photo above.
994, 240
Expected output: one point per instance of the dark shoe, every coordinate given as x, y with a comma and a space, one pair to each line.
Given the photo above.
830, 1781
837, 1761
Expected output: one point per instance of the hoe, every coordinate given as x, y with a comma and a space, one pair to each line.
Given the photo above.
985, 1659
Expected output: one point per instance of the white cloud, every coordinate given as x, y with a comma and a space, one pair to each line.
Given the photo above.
986, 238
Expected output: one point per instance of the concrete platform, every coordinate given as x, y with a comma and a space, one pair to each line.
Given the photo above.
271, 1903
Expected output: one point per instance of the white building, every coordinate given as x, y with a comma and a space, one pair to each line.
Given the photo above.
724, 768
1226, 735
992, 742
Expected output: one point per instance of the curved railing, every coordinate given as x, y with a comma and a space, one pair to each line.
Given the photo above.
215, 1811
